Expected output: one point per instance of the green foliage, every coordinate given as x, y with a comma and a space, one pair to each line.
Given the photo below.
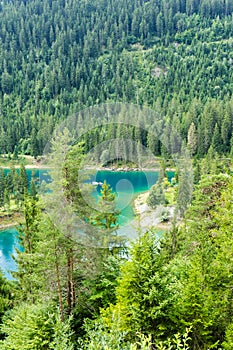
172, 56
163, 214
100, 338
178, 342
144, 292
53, 265
228, 343
63, 335
28, 236
103, 292
14, 186
38, 326
107, 217
104, 158
204, 301
185, 186
6, 297
58, 57
69, 161
156, 196
182, 281
192, 139
97, 289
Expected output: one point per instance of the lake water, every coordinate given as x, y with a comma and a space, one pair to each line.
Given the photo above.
127, 185
8, 245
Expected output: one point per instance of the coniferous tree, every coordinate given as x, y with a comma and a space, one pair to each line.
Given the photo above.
107, 218
216, 140
156, 196
192, 139
2, 187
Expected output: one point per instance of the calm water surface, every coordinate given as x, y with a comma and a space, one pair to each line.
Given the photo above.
8, 245
127, 186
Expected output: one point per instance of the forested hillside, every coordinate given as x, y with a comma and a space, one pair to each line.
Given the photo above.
79, 284
57, 57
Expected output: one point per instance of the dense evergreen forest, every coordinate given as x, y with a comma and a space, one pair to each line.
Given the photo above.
57, 57
103, 292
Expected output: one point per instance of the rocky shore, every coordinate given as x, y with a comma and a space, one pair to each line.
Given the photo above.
140, 205
121, 169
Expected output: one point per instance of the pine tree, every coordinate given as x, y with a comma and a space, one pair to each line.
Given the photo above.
23, 181
33, 189
192, 139
2, 187
25, 259
216, 140
156, 196
107, 205
39, 327
144, 293
185, 185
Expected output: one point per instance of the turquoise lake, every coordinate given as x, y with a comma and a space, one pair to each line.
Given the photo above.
8, 245
127, 185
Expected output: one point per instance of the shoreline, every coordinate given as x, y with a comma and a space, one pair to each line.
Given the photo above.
139, 203
31, 163
4, 227
45, 167
28, 166
148, 217
12, 220
127, 169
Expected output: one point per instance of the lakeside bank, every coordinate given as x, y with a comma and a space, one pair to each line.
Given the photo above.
10, 220
148, 217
